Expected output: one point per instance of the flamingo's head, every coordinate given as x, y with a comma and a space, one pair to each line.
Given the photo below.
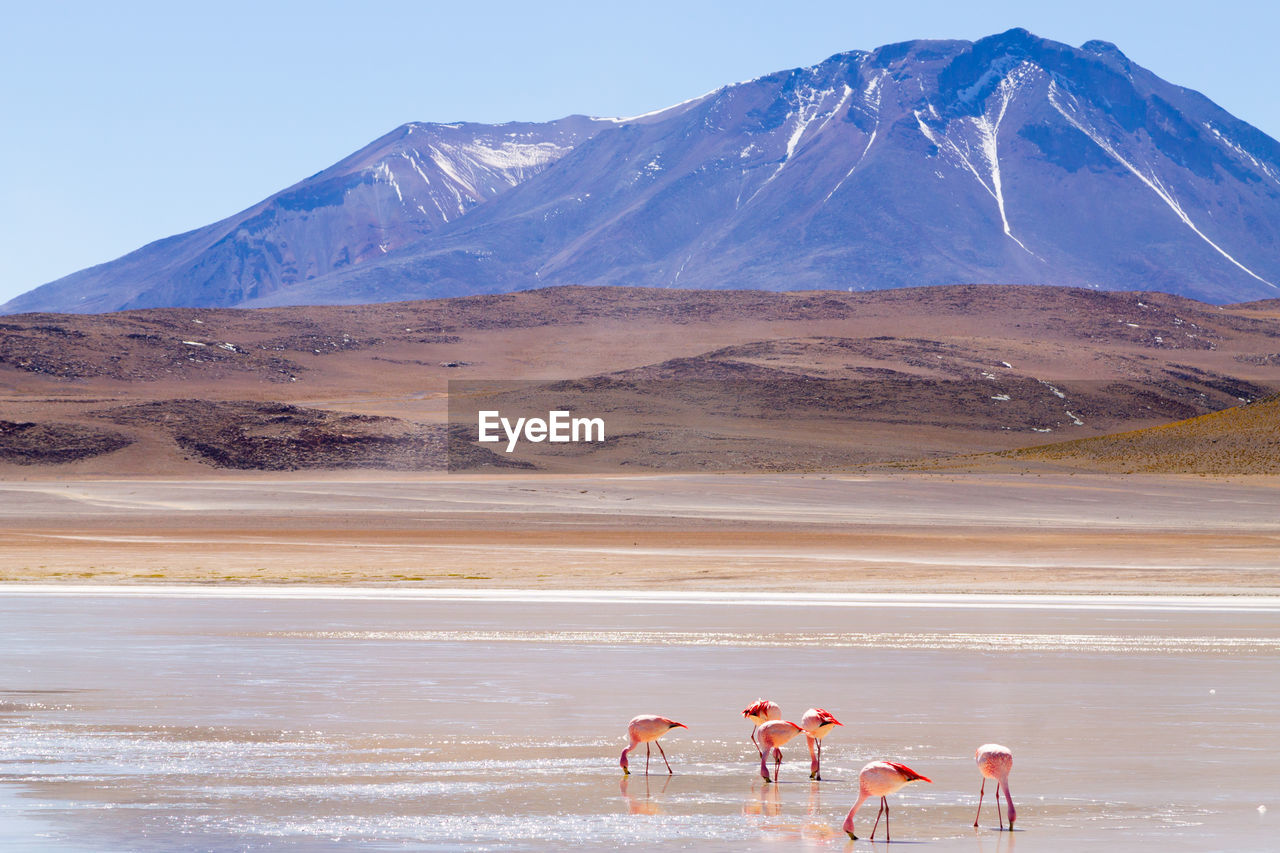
823, 728
826, 718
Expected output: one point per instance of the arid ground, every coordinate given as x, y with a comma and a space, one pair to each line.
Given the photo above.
730, 381
957, 438
892, 531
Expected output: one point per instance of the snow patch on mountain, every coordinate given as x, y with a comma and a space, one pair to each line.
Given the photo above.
808, 107
871, 105
1069, 107
972, 142
1239, 150
655, 113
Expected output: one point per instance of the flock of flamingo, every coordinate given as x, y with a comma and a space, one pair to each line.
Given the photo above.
876, 779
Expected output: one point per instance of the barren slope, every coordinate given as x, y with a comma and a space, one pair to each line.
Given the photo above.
806, 380
1240, 440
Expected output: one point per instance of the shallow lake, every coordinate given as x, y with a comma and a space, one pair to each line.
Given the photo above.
316, 719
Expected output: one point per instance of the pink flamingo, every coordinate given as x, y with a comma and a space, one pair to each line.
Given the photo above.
817, 724
879, 779
773, 736
646, 729
761, 711
995, 762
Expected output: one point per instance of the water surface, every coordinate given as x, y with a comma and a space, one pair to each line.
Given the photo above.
303, 719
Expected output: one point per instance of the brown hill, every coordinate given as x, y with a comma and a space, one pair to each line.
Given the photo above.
1240, 440
696, 379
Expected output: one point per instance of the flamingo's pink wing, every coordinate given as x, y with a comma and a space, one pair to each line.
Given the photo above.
911, 775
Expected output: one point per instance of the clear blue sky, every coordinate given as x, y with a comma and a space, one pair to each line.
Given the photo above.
121, 123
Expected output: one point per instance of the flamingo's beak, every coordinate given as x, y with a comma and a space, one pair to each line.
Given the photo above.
922, 779
852, 837
679, 726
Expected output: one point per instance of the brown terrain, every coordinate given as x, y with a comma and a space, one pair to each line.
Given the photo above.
693, 380
1243, 439
882, 532
757, 441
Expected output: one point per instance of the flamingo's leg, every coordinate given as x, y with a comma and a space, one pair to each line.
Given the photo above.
646, 759
877, 823
998, 817
818, 775
777, 762
887, 836
981, 791
658, 744
755, 742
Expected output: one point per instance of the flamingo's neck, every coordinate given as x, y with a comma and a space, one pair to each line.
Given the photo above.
848, 821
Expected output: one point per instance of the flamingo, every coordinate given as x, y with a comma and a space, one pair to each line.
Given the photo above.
817, 724
644, 729
773, 736
879, 779
761, 711
995, 762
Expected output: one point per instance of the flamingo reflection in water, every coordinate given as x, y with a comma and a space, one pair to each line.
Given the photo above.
765, 810
641, 804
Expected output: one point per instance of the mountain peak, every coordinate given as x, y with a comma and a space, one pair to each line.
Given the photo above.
1015, 36
1103, 48
1016, 43
1010, 159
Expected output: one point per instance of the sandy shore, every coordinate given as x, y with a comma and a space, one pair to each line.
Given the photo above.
906, 532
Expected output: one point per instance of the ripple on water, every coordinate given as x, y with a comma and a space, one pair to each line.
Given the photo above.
939, 641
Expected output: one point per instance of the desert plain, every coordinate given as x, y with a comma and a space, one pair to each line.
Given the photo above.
960, 439
878, 532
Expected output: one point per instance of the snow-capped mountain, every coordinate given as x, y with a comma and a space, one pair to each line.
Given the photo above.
1012, 159
398, 188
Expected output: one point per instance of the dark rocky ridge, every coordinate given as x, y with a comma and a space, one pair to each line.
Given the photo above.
279, 437
28, 443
